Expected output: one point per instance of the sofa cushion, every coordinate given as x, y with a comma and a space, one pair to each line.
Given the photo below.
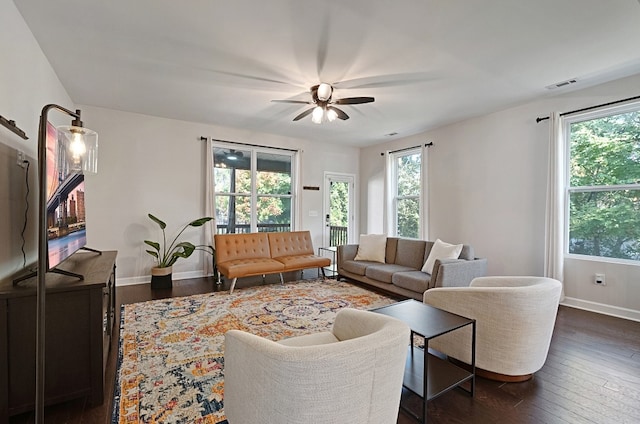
357, 267
372, 247
441, 250
390, 254
384, 272
467, 252
246, 267
303, 262
416, 281
290, 243
410, 253
241, 246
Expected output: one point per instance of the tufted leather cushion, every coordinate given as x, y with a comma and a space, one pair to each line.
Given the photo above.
241, 246
290, 243
246, 267
303, 261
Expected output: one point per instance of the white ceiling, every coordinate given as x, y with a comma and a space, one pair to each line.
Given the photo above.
426, 62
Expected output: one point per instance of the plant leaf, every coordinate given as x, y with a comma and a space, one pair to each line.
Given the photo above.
158, 221
184, 250
153, 244
152, 253
200, 222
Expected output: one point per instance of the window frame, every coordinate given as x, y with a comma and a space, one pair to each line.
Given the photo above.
568, 189
253, 192
394, 198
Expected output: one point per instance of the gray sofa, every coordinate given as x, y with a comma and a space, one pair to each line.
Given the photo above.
401, 273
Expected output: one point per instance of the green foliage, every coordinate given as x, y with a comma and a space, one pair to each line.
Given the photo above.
166, 256
339, 204
236, 208
408, 211
408, 204
605, 152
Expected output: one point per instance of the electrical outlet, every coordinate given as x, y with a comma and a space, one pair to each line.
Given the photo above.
21, 158
599, 280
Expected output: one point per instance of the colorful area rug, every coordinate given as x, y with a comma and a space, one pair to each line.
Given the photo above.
171, 356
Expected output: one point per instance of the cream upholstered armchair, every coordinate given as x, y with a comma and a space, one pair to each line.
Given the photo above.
515, 319
352, 374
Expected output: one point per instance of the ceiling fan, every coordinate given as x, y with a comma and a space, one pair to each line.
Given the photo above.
324, 109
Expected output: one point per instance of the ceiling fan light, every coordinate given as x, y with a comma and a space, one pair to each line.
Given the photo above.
324, 91
331, 115
317, 115
233, 155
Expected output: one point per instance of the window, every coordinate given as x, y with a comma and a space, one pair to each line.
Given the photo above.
253, 190
603, 190
406, 190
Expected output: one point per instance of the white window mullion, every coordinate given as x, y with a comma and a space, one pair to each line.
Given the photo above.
254, 193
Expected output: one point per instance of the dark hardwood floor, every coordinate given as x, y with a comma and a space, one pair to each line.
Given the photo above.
592, 375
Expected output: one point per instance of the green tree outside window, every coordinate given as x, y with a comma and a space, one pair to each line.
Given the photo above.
604, 192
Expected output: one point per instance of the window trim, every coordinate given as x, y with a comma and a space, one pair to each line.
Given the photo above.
253, 194
606, 111
392, 202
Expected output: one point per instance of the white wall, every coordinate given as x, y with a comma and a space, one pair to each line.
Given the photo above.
157, 165
146, 164
27, 83
487, 177
487, 183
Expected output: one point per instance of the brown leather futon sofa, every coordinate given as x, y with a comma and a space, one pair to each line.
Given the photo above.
245, 255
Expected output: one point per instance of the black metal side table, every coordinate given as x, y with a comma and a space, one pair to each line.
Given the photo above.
330, 271
427, 375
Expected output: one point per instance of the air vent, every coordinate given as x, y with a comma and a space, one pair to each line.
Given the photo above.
561, 84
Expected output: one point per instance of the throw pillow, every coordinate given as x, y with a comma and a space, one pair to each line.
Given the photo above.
372, 247
441, 250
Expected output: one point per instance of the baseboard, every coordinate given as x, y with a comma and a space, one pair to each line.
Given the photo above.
602, 308
146, 279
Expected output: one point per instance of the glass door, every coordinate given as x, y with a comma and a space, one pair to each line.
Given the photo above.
339, 213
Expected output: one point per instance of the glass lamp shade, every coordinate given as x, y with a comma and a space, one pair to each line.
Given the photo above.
324, 91
80, 148
317, 115
331, 115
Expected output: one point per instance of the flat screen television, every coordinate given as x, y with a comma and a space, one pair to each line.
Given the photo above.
66, 214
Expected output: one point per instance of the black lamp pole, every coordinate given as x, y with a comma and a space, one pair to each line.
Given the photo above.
43, 259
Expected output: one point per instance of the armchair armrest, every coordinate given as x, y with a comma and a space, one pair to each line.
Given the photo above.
457, 272
503, 281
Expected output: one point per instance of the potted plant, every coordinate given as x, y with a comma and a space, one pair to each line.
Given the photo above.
166, 255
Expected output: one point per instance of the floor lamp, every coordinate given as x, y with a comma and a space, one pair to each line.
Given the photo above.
81, 152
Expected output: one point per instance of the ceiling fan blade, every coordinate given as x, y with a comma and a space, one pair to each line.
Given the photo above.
340, 113
303, 114
353, 100
292, 101
391, 80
